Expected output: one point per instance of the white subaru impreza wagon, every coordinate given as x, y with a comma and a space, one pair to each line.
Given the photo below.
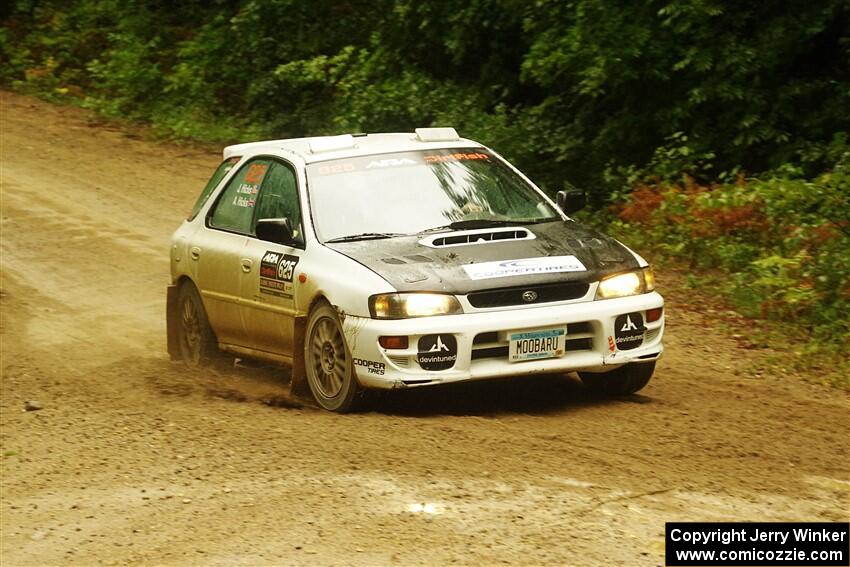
402, 260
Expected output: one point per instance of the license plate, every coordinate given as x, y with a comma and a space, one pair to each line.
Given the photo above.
534, 345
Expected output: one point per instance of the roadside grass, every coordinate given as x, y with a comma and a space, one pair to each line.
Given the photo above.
780, 347
771, 249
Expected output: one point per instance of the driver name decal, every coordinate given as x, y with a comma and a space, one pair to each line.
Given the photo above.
276, 273
524, 267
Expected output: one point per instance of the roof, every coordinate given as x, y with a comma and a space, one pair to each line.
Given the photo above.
323, 148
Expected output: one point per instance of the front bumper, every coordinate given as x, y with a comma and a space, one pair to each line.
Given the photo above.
482, 341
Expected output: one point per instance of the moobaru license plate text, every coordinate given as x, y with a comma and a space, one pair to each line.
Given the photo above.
533, 345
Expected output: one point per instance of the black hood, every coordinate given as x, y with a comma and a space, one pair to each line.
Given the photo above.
410, 266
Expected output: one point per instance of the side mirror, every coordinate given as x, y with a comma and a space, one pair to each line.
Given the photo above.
571, 201
278, 231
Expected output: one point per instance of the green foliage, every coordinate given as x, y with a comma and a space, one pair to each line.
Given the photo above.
568, 90
781, 242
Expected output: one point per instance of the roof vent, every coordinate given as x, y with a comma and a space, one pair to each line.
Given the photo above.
470, 237
331, 143
437, 135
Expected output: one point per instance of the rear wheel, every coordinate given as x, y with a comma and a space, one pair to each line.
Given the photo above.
327, 360
198, 345
622, 381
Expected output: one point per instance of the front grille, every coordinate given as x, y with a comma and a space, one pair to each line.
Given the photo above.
578, 344
491, 337
493, 352
546, 293
576, 328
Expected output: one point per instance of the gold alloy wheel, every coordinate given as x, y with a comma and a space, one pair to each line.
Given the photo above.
190, 326
328, 357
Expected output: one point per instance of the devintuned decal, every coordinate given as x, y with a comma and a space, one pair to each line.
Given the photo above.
371, 366
276, 273
629, 330
437, 352
524, 267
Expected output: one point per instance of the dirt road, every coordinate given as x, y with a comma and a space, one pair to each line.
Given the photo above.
136, 460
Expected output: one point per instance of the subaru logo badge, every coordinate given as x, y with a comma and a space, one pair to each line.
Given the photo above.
529, 296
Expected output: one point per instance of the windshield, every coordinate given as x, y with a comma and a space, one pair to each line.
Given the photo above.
386, 195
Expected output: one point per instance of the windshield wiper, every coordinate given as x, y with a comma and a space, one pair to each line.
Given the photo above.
486, 223
366, 236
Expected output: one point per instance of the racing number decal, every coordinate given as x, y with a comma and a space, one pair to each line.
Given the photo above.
286, 268
255, 173
276, 273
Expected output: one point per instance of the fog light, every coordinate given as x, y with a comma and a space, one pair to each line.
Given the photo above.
654, 314
393, 342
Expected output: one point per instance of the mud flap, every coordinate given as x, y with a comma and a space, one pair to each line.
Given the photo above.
172, 322
298, 385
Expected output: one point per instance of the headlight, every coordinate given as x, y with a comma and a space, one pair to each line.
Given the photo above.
630, 283
404, 305
649, 278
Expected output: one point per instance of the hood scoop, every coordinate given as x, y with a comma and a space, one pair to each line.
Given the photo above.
469, 237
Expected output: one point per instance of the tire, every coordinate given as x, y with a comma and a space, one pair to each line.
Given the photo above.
328, 363
622, 381
198, 344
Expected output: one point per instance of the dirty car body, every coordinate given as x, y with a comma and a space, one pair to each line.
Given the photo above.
400, 260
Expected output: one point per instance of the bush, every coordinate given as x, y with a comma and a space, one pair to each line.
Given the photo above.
782, 243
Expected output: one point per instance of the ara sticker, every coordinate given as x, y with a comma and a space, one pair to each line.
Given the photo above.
390, 162
276, 273
611, 346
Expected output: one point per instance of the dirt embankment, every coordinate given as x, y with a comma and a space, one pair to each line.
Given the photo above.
134, 459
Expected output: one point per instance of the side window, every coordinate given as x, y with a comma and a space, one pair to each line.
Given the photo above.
216, 178
279, 197
235, 208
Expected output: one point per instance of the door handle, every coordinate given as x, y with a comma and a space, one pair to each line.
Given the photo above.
195, 252
246, 265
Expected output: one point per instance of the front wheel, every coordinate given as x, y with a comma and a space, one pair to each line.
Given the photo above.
327, 361
621, 381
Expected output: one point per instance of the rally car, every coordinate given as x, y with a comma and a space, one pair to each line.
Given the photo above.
404, 260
